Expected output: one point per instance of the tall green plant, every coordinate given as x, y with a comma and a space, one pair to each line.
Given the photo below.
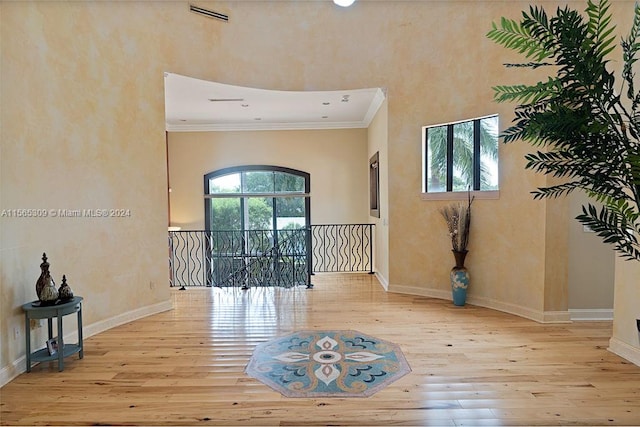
589, 132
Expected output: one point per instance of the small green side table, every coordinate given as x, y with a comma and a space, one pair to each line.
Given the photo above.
33, 310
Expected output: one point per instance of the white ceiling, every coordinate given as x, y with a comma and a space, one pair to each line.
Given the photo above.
200, 105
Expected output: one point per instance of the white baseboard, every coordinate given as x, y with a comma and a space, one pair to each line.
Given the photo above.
580, 314
556, 317
528, 313
383, 281
19, 365
121, 319
11, 371
423, 292
624, 350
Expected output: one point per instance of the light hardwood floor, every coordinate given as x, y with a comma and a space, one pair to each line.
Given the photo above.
470, 365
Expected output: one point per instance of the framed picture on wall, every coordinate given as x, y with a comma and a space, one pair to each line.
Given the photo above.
374, 185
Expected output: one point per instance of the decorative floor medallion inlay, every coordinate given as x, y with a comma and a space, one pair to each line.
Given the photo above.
327, 363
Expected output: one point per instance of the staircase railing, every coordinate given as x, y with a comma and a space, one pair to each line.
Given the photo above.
285, 258
285, 264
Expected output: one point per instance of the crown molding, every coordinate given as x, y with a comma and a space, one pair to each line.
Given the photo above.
376, 102
210, 127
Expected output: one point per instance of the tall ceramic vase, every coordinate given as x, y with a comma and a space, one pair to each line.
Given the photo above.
45, 280
459, 279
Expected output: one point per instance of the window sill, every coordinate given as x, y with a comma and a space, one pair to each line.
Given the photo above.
461, 195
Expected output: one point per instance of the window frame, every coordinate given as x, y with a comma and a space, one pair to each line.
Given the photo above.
449, 193
242, 196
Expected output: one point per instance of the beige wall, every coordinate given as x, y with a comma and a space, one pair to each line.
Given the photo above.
591, 264
336, 159
556, 257
82, 127
626, 337
378, 142
626, 308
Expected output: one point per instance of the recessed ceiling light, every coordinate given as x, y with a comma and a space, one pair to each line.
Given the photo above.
325, 117
326, 103
345, 98
245, 105
258, 118
344, 3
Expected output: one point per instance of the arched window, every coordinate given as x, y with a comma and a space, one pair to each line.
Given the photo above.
257, 218
256, 198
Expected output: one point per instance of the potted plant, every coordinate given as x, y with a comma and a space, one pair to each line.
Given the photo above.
589, 128
458, 219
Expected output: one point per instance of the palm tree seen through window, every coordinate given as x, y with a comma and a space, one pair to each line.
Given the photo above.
462, 155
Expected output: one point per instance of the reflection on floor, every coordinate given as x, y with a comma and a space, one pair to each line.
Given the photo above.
470, 365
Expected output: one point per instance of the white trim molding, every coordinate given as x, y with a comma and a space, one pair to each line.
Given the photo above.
591, 314
19, 365
624, 350
383, 281
210, 127
423, 292
12, 370
517, 310
462, 195
236, 108
121, 319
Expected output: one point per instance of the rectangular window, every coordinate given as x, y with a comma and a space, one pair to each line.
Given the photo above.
489, 154
461, 156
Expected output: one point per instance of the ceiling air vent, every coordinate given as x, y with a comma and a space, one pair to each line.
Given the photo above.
209, 13
226, 99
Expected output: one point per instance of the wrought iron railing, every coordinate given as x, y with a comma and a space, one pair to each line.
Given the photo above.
239, 258
284, 264
342, 248
284, 258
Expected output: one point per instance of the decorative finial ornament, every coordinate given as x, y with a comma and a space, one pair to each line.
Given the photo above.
45, 276
49, 294
65, 293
